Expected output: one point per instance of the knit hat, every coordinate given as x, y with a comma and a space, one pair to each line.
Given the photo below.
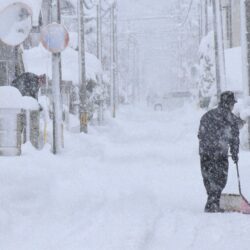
227, 98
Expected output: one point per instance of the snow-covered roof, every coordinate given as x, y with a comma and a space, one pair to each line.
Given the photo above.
8, 93
35, 6
38, 61
18, 101
30, 103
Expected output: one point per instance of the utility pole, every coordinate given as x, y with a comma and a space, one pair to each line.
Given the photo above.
56, 93
134, 80
221, 48
206, 17
99, 30
138, 74
216, 48
245, 45
203, 13
229, 24
99, 56
200, 20
116, 56
83, 112
113, 27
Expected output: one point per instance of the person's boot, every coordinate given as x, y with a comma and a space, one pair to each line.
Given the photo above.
209, 207
213, 207
219, 210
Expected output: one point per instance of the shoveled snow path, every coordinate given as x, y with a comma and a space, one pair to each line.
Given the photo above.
133, 184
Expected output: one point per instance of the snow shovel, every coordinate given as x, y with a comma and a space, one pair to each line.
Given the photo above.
235, 202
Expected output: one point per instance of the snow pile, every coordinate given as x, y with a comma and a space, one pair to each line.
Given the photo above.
15, 100
233, 67
29, 103
10, 97
69, 64
132, 184
233, 61
207, 84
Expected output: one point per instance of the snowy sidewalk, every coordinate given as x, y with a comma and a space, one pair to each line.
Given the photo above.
133, 184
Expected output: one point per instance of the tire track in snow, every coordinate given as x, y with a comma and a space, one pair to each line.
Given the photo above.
150, 233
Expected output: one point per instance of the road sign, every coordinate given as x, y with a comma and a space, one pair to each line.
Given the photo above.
15, 23
55, 37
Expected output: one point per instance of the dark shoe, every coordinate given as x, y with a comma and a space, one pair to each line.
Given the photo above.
214, 210
209, 210
220, 210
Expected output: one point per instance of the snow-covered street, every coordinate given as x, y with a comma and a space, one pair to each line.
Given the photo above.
100, 107
132, 184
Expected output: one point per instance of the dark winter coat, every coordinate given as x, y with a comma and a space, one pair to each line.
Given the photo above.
219, 131
28, 84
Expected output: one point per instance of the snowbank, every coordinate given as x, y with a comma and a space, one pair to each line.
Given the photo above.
132, 184
234, 69
29, 103
38, 61
233, 65
10, 97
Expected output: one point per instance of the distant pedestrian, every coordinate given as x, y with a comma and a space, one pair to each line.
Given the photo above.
218, 132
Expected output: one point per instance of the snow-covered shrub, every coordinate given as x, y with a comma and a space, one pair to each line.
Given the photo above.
207, 83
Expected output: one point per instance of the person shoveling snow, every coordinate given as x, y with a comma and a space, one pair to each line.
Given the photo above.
218, 132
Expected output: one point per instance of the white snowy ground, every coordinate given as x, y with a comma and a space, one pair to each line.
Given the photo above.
133, 184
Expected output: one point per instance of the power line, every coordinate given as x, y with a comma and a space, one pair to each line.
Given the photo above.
146, 18
187, 16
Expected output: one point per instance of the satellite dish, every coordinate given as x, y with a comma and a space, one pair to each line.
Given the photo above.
15, 23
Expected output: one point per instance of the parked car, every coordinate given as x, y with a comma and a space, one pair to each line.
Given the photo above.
169, 100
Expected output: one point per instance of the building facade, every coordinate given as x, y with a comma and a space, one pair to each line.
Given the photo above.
230, 11
230, 20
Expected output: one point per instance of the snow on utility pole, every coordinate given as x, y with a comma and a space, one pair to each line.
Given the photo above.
56, 93
245, 46
83, 112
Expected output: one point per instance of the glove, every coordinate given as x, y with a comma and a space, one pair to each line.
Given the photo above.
235, 158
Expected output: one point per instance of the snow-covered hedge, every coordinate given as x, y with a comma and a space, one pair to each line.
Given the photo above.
207, 84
